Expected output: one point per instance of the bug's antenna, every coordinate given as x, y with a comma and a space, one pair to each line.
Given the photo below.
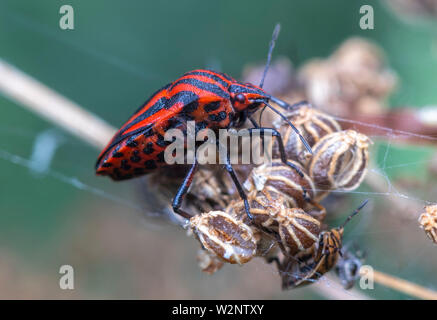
354, 213
305, 143
269, 55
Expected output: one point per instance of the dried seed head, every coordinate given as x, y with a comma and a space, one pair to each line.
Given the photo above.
264, 207
208, 262
354, 73
340, 161
297, 229
225, 236
428, 222
312, 123
211, 190
281, 179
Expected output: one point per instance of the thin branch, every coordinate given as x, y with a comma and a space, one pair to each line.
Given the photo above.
35, 96
404, 286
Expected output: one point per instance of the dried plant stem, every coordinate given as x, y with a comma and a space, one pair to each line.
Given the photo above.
327, 289
404, 286
37, 97
49, 104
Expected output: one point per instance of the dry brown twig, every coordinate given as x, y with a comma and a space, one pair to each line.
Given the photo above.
38, 98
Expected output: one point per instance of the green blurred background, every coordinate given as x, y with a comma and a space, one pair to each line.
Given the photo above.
119, 53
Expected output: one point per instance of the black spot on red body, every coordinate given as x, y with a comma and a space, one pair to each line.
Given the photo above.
212, 106
191, 107
135, 157
107, 165
160, 157
218, 117
132, 144
125, 164
150, 164
117, 154
149, 148
161, 142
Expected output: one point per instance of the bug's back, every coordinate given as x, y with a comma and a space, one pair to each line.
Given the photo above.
138, 147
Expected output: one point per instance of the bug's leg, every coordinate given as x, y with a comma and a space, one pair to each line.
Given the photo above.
183, 189
284, 160
237, 183
276, 261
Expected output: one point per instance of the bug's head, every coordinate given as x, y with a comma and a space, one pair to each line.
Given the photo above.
247, 97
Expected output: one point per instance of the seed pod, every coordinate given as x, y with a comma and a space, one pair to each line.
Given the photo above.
298, 231
281, 179
293, 228
428, 222
211, 190
340, 161
312, 123
264, 207
225, 236
208, 262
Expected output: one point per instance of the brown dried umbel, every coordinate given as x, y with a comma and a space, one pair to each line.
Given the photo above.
298, 231
339, 161
428, 222
211, 190
224, 236
353, 80
312, 123
278, 178
293, 228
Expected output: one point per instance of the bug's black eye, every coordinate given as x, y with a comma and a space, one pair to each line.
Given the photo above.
240, 98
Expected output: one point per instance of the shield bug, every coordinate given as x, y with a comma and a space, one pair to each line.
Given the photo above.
212, 100
310, 265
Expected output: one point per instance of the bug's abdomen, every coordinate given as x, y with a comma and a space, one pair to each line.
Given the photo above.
135, 156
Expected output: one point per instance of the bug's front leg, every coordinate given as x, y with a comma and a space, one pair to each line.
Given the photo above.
183, 189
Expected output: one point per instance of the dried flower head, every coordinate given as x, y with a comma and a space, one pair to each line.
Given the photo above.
298, 231
340, 161
312, 123
211, 190
224, 236
281, 179
353, 74
428, 222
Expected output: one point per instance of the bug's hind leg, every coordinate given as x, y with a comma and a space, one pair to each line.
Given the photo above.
183, 189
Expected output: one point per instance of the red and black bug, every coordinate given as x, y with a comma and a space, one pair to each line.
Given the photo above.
213, 100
